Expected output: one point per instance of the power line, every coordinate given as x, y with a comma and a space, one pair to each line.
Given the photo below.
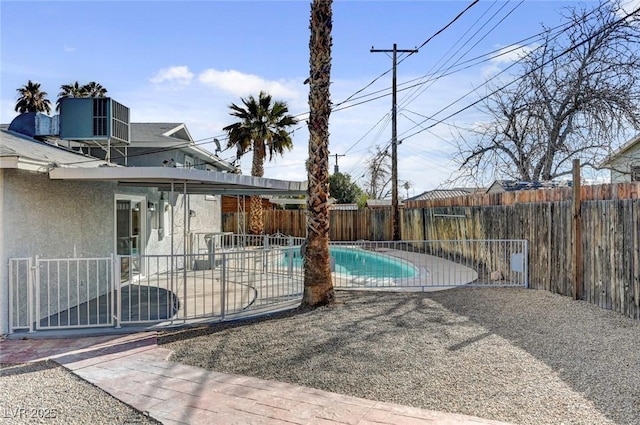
336, 107
558, 30
410, 53
498, 52
424, 88
477, 60
553, 58
447, 54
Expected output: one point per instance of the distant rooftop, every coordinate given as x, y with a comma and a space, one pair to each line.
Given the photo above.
160, 132
515, 185
441, 194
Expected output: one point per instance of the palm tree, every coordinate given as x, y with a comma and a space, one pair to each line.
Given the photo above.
262, 128
318, 287
91, 89
94, 89
32, 99
70, 90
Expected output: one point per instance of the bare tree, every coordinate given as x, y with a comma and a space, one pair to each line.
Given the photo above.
575, 97
378, 175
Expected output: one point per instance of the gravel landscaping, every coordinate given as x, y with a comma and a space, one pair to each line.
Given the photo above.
47, 393
517, 355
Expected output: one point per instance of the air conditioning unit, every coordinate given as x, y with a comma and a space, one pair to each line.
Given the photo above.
94, 118
35, 124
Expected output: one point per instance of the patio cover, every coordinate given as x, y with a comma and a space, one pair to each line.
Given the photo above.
198, 182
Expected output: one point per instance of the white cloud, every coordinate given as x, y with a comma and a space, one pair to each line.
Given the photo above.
240, 84
178, 74
69, 49
506, 55
424, 159
511, 54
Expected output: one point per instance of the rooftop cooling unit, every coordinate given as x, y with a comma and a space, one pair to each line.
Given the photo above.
94, 118
35, 124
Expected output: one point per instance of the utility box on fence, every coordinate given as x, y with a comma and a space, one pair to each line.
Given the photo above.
517, 262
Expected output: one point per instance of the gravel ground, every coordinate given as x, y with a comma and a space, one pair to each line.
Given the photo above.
517, 355
47, 393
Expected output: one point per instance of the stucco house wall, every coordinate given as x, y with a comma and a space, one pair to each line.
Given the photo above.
63, 219
60, 219
53, 219
56, 218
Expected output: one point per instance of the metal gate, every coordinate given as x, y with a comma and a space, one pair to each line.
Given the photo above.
61, 293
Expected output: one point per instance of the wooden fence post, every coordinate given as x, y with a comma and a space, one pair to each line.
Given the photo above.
577, 231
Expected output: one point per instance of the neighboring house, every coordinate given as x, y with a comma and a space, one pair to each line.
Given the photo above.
58, 201
343, 207
382, 203
441, 194
167, 144
624, 164
500, 186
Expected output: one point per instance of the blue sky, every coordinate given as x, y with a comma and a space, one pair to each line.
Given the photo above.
187, 61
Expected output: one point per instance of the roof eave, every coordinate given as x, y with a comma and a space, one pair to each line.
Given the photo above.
608, 161
25, 164
196, 181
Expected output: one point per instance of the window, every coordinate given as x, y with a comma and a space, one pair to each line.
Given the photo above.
635, 173
188, 162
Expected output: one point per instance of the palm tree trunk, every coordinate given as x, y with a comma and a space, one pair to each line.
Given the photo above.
318, 287
256, 221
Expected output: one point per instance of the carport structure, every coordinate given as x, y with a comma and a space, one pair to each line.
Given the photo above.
183, 180
175, 285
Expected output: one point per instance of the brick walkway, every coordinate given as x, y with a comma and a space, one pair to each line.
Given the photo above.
135, 370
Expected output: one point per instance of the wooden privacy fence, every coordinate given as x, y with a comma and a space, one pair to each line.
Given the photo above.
369, 224
610, 239
629, 190
607, 270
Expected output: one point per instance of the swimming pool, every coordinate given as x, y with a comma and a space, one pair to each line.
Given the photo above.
354, 261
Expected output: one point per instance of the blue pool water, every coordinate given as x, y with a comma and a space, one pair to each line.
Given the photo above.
358, 262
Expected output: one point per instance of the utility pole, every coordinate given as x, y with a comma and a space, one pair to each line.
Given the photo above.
395, 213
336, 170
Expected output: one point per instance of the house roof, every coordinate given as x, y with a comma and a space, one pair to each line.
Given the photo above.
373, 203
344, 207
25, 153
515, 185
172, 135
182, 180
624, 149
440, 194
159, 133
